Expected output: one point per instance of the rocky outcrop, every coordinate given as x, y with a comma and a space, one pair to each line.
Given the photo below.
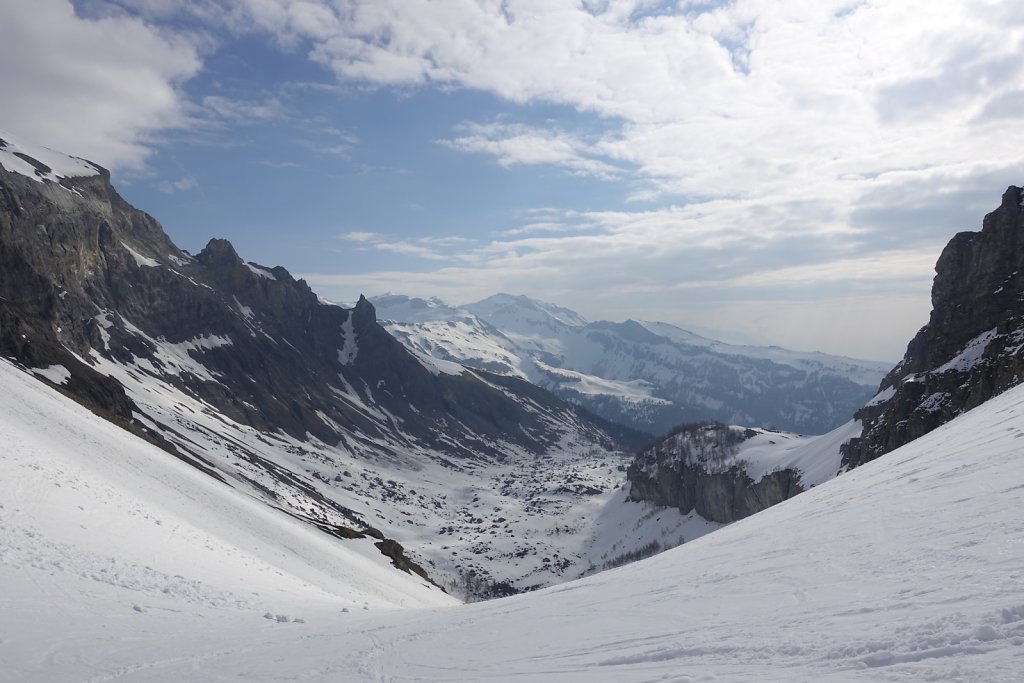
971, 348
90, 283
696, 468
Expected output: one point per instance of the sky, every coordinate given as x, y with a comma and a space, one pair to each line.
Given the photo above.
779, 172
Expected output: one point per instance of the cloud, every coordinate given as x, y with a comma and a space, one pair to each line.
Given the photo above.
752, 266
424, 248
244, 111
1005, 106
891, 266
775, 147
698, 100
181, 185
278, 164
409, 249
539, 227
520, 145
70, 86
360, 236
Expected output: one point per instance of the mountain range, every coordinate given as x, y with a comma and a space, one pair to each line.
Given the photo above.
119, 562
244, 372
650, 376
258, 459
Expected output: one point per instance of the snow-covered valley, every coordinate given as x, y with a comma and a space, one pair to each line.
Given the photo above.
121, 563
209, 472
479, 528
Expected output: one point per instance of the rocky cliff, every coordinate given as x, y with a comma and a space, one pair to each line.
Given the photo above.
969, 351
700, 467
93, 287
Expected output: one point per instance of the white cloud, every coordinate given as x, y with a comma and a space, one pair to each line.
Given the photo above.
424, 248
539, 227
180, 185
410, 249
516, 144
804, 152
360, 236
244, 111
96, 88
701, 100
787, 143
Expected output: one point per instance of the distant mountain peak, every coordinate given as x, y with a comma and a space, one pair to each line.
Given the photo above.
647, 375
504, 305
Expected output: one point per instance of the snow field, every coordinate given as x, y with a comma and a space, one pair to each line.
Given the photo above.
97, 526
58, 165
906, 569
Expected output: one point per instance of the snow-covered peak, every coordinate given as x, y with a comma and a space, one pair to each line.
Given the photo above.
648, 375
408, 309
522, 314
41, 163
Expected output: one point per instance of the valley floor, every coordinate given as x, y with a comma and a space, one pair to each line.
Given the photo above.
909, 568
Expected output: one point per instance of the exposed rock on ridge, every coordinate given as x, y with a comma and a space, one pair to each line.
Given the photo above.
969, 351
695, 469
90, 283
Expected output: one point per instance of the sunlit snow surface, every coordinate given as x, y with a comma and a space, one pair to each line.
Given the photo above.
118, 564
57, 165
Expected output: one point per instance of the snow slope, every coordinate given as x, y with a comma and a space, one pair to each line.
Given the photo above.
906, 569
97, 525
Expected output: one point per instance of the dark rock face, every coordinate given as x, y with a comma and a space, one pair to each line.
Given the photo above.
969, 351
695, 468
214, 358
90, 283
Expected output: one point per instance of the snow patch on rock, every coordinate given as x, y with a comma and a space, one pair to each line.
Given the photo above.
50, 165
58, 374
140, 260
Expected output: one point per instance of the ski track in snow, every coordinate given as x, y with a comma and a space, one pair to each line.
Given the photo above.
907, 569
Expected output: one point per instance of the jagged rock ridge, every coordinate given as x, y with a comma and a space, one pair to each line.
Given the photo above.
971, 348
86, 274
